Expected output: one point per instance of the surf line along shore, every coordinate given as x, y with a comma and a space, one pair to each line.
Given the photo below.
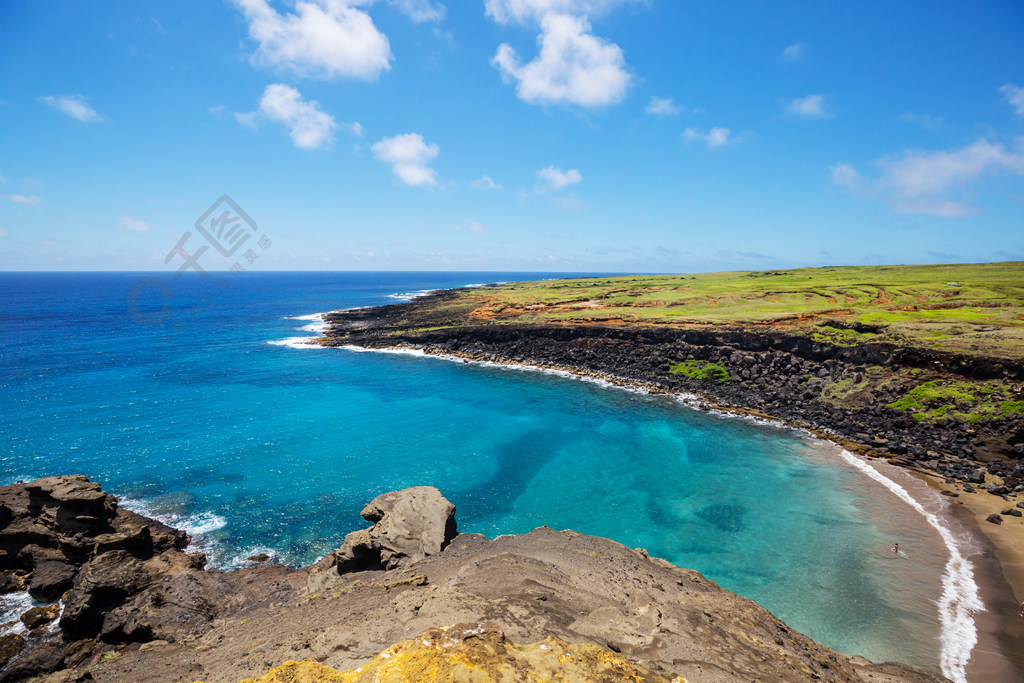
362, 330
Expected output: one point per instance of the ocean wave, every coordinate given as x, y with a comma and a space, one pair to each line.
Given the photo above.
198, 525
960, 599
241, 559
12, 606
317, 326
409, 296
295, 343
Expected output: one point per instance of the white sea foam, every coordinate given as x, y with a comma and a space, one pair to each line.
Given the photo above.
317, 326
198, 525
12, 606
295, 343
474, 285
241, 560
623, 384
409, 296
960, 600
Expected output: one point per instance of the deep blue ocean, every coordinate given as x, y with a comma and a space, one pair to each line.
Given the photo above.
175, 399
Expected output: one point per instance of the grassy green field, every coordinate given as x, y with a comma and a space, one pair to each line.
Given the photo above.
967, 308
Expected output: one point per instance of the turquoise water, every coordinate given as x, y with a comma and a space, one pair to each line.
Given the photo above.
256, 447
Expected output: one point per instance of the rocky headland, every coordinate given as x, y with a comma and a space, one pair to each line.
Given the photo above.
409, 598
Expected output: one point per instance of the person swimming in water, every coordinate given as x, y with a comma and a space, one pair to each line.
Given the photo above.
896, 548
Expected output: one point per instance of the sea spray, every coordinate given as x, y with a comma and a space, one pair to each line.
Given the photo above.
960, 600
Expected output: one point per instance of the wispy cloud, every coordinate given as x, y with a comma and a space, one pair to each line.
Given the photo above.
716, 137
523, 11
472, 226
573, 67
662, 107
408, 155
31, 199
324, 39
793, 53
932, 183
1015, 96
74, 106
926, 121
810, 107
484, 183
420, 10
308, 126
556, 178
133, 224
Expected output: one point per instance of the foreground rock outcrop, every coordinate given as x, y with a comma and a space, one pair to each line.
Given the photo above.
475, 652
161, 617
119, 577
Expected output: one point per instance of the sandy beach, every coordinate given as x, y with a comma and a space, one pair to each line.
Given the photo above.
999, 572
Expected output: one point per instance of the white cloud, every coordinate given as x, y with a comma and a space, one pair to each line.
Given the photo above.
716, 137
793, 53
3, 180
484, 183
409, 155
926, 121
473, 226
523, 11
810, 107
308, 126
1015, 96
569, 202
845, 175
134, 224
420, 10
74, 106
556, 178
922, 182
662, 107
573, 66
3, 231
31, 200
324, 39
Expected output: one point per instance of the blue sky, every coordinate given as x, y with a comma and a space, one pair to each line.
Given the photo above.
601, 135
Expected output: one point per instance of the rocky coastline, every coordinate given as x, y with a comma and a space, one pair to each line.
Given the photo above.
772, 374
128, 602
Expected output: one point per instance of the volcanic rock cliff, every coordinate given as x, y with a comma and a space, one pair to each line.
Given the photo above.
135, 606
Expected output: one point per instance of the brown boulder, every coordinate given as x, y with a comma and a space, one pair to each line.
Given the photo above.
409, 525
50, 579
10, 582
37, 616
102, 585
41, 659
10, 646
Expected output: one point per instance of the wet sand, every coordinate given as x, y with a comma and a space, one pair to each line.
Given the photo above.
999, 572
